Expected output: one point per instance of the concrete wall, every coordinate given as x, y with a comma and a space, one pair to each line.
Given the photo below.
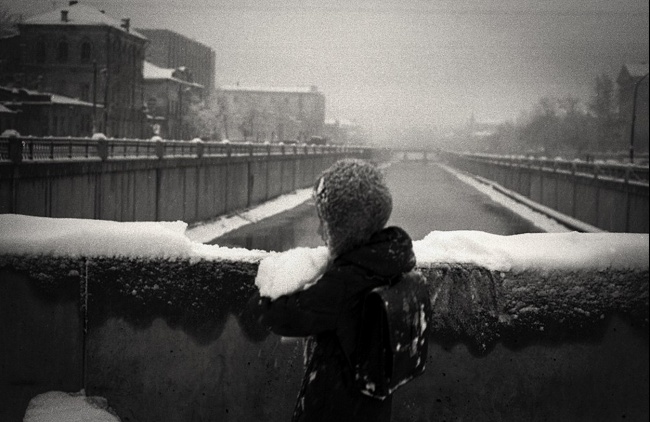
167, 340
606, 203
149, 189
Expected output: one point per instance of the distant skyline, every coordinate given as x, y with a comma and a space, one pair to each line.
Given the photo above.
389, 63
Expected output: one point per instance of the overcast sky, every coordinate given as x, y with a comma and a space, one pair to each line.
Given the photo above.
401, 63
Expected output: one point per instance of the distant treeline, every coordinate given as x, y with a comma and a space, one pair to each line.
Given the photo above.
567, 127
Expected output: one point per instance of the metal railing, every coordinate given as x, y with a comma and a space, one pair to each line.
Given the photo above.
614, 171
36, 149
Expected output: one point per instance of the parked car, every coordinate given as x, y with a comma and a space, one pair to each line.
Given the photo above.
317, 140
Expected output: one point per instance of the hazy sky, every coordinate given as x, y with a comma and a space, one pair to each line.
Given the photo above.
399, 63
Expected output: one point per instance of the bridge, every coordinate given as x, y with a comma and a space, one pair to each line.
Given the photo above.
162, 337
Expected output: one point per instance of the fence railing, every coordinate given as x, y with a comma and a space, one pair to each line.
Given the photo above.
33, 149
614, 171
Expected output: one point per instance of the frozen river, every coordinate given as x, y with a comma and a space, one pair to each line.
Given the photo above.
425, 198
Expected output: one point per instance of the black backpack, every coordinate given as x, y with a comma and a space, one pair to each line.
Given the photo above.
393, 340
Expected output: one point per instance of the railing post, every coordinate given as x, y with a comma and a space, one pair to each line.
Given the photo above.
102, 149
199, 149
16, 150
160, 149
628, 200
574, 179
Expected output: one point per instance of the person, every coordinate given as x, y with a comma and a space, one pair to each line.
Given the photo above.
353, 204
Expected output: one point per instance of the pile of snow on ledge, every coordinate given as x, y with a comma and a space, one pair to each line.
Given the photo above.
26, 235
290, 271
57, 406
543, 251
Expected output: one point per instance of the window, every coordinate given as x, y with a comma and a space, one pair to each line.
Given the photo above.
62, 51
41, 51
85, 92
86, 52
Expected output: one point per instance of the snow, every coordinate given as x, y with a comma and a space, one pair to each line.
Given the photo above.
538, 219
57, 406
544, 251
290, 271
208, 231
29, 235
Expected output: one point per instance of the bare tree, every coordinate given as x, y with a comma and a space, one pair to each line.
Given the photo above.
8, 23
605, 113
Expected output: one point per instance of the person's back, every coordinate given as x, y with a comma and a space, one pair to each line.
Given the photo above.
353, 204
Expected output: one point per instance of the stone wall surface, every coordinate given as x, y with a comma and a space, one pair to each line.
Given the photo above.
167, 340
191, 188
611, 203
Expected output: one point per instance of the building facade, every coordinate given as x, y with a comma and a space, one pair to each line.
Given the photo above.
168, 49
168, 95
267, 114
633, 105
38, 113
344, 132
79, 52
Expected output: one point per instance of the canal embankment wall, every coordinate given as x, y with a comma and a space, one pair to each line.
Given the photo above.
166, 339
130, 180
612, 197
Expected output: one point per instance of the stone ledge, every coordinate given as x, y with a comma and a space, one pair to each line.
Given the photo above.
472, 305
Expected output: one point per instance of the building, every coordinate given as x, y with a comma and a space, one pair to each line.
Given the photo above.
170, 50
168, 93
633, 101
271, 114
8, 119
344, 132
79, 52
44, 114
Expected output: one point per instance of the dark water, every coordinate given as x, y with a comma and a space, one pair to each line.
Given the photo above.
425, 198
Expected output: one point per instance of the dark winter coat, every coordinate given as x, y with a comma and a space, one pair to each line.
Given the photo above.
329, 313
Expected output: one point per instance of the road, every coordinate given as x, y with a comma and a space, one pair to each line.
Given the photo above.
425, 198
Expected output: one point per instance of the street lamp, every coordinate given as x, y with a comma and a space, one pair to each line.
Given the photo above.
634, 95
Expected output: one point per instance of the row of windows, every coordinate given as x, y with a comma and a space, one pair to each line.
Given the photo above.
85, 53
62, 53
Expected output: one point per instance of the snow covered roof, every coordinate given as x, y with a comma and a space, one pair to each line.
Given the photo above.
30, 96
155, 73
79, 15
635, 70
4, 109
268, 89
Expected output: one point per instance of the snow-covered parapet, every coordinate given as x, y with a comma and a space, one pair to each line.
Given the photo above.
28, 235
484, 288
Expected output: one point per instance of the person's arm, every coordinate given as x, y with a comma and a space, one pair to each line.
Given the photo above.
303, 313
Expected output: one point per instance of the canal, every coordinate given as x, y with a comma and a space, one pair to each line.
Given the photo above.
425, 198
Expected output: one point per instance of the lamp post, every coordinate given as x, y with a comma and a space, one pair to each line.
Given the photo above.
634, 95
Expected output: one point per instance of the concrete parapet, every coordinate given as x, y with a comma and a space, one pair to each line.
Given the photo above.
167, 340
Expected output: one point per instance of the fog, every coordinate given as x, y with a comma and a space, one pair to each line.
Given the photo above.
392, 64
